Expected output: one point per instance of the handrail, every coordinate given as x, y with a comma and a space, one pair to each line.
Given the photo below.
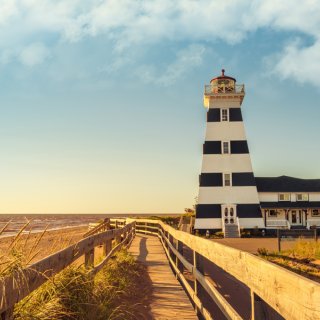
238, 224
312, 222
276, 223
291, 295
103, 226
288, 224
213, 89
15, 287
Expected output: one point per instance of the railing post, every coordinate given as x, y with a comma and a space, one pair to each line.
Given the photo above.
118, 238
179, 247
257, 312
106, 245
315, 234
279, 240
89, 258
197, 265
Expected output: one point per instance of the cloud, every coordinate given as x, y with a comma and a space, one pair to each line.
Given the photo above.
34, 54
300, 63
126, 24
186, 60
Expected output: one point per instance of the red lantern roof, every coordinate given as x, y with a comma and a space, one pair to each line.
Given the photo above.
223, 77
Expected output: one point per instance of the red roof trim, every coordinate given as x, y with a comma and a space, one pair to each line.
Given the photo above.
222, 76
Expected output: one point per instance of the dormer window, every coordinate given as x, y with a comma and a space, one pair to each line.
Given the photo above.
224, 114
302, 197
284, 196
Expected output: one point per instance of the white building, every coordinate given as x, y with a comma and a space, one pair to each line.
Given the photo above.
228, 196
289, 202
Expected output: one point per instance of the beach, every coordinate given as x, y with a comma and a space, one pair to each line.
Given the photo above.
50, 242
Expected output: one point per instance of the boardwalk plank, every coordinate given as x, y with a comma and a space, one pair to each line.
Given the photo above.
168, 301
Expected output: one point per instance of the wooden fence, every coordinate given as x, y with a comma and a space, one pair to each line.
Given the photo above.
15, 287
294, 297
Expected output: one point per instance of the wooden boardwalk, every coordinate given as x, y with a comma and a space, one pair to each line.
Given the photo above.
168, 300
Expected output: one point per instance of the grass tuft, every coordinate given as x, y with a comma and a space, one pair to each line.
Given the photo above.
75, 294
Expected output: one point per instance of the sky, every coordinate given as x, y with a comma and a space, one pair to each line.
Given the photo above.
101, 101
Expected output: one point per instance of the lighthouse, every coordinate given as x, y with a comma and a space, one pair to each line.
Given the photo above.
228, 198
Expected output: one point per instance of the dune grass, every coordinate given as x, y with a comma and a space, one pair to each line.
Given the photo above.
75, 294
300, 259
114, 293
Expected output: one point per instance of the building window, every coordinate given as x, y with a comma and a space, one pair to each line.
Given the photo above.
284, 196
224, 115
272, 213
315, 213
226, 212
225, 147
302, 197
227, 179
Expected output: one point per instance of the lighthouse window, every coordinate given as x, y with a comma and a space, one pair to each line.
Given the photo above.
225, 147
224, 115
227, 179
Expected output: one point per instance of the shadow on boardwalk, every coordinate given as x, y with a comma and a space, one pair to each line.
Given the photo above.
168, 299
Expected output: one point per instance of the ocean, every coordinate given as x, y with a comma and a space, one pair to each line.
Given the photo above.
39, 222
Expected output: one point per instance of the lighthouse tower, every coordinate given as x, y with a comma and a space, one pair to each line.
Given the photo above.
228, 197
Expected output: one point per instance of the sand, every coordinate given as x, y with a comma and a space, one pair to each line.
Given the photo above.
50, 242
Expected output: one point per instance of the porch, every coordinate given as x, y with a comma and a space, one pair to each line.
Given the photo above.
291, 218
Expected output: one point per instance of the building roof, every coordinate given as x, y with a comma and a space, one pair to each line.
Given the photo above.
291, 205
223, 76
287, 184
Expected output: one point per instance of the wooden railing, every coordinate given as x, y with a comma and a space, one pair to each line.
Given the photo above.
99, 227
291, 295
15, 287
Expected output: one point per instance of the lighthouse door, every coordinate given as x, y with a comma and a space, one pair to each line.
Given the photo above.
229, 214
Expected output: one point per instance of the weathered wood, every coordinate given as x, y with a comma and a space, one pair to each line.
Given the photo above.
89, 258
199, 306
17, 286
105, 225
167, 301
179, 248
257, 311
197, 266
291, 295
221, 302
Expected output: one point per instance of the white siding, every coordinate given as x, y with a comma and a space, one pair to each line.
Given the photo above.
210, 195
226, 163
268, 196
224, 103
225, 131
211, 223
314, 196
273, 196
251, 222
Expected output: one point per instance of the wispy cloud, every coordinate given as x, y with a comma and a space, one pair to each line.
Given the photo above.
126, 24
34, 54
185, 61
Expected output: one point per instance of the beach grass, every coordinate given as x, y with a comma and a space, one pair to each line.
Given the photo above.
114, 293
75, 294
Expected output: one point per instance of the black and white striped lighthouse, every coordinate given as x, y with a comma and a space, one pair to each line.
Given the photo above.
228, 197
